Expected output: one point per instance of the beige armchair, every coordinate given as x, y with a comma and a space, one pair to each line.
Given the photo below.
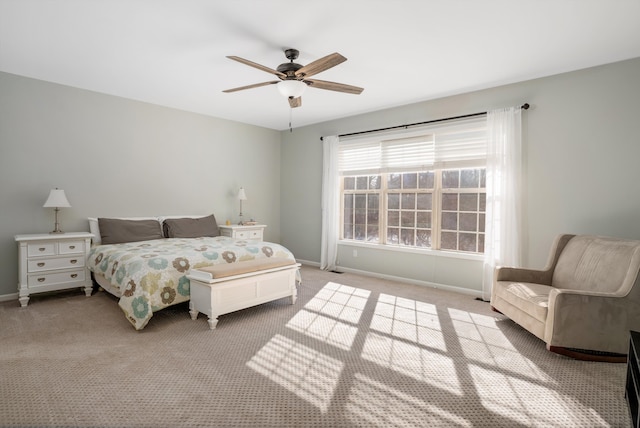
583, 303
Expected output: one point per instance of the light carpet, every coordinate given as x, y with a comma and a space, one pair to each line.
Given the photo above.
352, 351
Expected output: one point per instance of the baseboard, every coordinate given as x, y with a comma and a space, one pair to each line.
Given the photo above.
308, 263
461, 290
8, 297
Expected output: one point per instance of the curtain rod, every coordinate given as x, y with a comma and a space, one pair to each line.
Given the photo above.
524, 106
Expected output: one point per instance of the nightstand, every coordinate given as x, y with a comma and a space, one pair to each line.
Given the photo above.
238, 231
49, 262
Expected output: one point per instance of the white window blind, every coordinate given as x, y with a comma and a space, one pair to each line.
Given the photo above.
455, 144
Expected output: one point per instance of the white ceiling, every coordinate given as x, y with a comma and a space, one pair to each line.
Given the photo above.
172, 52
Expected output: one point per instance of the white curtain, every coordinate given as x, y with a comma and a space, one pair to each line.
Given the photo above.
503, 224
330, 203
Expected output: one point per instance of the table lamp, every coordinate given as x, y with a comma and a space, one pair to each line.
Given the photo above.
57, 199
241, 197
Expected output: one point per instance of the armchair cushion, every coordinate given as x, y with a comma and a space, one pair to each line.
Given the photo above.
529, 297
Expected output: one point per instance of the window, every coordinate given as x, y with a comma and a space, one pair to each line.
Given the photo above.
424, 191
463, 210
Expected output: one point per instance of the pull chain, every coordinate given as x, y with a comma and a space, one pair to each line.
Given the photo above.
290, 118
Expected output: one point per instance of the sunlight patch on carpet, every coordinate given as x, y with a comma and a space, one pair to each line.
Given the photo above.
481, 340
327, 329
377, 404
332, 315
434, 368
309, 374
410, 320
339, 301
527, 402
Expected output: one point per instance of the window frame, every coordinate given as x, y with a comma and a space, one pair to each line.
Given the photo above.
383, 191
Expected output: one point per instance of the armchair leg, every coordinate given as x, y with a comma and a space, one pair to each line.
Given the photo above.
495, 310
586, 355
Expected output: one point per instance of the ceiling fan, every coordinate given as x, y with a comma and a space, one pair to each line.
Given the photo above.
294, 78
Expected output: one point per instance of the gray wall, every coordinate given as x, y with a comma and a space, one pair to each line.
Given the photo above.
118, 157
581, 150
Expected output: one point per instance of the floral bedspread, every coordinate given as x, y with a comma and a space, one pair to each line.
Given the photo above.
151, 275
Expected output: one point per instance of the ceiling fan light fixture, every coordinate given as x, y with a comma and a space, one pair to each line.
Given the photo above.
291, 88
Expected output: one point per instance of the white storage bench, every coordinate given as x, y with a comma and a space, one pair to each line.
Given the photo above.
220, 289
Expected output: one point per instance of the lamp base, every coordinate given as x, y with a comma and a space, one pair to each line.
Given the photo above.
56, 226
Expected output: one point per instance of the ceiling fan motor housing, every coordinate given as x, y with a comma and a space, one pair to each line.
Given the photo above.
290, 68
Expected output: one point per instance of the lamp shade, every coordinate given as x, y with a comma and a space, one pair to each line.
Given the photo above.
241, 195
57, 199
291, 88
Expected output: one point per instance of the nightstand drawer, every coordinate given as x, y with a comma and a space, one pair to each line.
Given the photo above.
41, 249
241, 234
71, 247
38, 265
56, 278
253, 231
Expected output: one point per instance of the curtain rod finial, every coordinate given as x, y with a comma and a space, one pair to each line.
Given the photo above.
525, 106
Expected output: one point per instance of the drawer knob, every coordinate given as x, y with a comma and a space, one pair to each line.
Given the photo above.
41, 249
40, 279
74, 261
74, 275
41, 264
73, 247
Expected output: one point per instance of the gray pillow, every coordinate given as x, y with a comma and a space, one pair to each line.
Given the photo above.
190, 227
117, 231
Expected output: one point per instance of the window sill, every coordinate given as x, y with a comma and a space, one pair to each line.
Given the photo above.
424, 251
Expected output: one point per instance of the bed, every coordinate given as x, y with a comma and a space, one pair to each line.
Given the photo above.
145, 261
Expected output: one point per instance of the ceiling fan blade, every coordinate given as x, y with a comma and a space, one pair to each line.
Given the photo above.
320, 65
295, 102
258, 66
255, 85
333, 86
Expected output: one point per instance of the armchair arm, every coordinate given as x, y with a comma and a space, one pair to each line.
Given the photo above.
522, 275
564, 293
590, 320
543, 276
